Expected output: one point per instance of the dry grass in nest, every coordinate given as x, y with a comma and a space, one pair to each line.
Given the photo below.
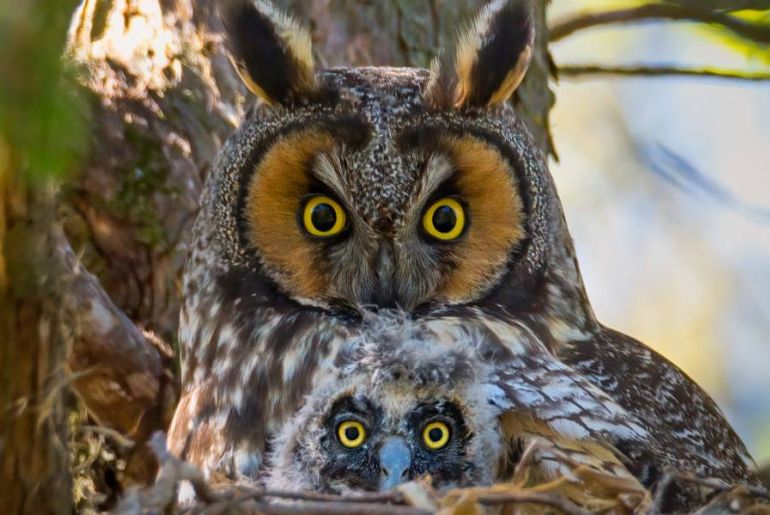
585, 491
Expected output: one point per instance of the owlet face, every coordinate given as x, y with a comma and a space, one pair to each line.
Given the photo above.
387, 415
366, 447
378, 186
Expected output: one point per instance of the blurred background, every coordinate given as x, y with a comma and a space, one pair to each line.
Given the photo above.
666, 186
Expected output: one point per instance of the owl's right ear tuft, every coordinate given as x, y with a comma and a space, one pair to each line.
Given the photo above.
489, 61
270, 50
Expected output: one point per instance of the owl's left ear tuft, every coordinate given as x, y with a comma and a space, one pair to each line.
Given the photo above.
490, 59
271, 51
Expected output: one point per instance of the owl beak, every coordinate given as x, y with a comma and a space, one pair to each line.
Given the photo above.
395, 463
386, 271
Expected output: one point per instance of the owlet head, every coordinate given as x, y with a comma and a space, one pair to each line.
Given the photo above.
387, 416
379, 186
405, 400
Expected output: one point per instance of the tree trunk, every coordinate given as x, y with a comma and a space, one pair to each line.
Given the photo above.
34, 465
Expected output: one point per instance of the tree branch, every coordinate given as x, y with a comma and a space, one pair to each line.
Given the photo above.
122, 376
122, 373
723, 5
581, 71
759, 33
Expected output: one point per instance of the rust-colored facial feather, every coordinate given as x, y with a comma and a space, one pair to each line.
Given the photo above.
279, 183
488, 186
452, 271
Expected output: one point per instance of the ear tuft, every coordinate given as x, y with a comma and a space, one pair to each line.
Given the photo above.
271, 51
490, 60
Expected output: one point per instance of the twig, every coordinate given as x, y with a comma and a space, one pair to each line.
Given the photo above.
173, 470
116, 436
672, 475
527, 458
756, 32
258, 493
227, 497
661, 490
310, 502
716, 484
394, 497
337, 508
580, 71
560, 503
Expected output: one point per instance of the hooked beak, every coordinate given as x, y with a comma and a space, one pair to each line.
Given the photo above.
395, 462
385, 267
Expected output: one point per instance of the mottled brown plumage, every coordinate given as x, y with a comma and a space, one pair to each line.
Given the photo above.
268, 304
386, 380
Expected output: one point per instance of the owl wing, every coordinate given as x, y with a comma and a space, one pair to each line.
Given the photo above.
567, 434
680, 416
564, 400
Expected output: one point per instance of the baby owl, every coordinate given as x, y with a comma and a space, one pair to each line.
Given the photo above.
389, 410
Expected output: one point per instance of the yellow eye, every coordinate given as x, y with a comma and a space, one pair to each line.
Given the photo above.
351, 434
435, 436
323, 217
444, 219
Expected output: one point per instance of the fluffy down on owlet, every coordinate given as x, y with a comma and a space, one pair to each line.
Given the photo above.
352, 192
389, 411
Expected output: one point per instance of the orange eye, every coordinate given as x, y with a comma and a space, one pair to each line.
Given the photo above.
435, 436
351, 434
323, 217
444, 220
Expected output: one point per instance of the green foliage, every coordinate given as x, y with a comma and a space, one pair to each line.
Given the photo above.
42, 117
146, 177
745, 46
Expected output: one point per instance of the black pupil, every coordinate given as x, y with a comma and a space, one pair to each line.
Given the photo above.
444, 219
351, 433
435, 434
323, 217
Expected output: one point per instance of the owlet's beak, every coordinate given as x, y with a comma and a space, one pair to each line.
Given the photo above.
395, 463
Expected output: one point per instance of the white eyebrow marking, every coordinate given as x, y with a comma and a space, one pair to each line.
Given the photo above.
327, 168
437, 169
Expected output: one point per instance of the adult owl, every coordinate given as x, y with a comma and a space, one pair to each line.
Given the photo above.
351, 193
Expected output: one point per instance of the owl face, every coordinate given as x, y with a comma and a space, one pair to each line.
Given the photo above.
366, 447
437, 224
379, 422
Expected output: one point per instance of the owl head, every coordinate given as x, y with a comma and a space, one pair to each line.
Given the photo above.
386, 415
384, 187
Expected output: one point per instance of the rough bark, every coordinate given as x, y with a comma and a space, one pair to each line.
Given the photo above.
34, 466
123, 375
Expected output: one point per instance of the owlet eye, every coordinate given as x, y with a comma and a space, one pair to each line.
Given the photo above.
323, 217
444, 220
435, 435
351, 434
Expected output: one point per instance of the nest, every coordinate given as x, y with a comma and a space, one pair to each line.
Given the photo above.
583, 491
